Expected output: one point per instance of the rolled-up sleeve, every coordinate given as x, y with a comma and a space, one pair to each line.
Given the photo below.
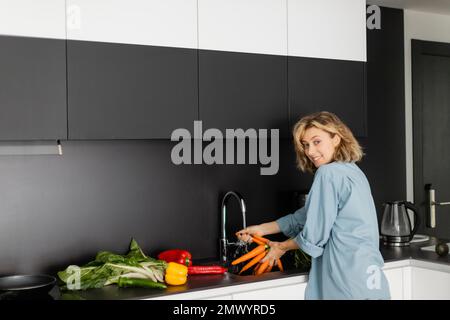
322, 209
291, 224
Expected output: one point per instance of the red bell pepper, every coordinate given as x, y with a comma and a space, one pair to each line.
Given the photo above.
206, 270
176, 255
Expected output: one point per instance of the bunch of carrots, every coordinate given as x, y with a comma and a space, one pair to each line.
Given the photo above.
257, 254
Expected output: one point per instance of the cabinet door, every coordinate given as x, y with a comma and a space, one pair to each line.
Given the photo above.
289, 292
31, 18
395, 280
124, 91
430, 284
327, 29
32, 78
337, 86
169, 23
239, 90
243, 26
222, 297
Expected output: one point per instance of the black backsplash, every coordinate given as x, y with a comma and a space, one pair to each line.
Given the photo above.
56, 211
60, 210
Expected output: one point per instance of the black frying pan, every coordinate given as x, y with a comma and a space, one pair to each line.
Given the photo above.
27, 284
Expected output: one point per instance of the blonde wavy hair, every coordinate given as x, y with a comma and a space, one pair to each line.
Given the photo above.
348, 149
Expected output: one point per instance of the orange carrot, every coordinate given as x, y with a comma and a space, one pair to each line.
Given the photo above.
258, 250
269, 268
262, 268
280, 265
256, 268
266, 241
257, 241
254, 261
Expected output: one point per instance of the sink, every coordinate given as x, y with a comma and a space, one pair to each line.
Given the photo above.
432, 248
251, 277
288, 266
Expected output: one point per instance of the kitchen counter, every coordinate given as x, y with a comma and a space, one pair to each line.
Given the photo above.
413, 251
205, 282
194, 283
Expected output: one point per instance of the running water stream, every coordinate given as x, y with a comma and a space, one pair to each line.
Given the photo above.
235, 250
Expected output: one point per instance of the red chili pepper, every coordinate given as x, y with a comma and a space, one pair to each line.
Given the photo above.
176, 255
206, 270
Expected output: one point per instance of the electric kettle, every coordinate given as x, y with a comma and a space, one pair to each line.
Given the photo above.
396, 227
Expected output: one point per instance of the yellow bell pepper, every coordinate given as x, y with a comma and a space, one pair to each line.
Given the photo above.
176, 274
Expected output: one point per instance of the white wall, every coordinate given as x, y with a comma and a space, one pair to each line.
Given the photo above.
421, 26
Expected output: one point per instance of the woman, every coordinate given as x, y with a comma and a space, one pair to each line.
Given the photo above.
338, 225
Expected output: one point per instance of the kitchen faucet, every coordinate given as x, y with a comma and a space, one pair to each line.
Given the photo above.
223, 241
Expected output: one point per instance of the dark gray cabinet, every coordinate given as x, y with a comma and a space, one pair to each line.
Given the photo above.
124, 91
32, 89
243, 90
337, 86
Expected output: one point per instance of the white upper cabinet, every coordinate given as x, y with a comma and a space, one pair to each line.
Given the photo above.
170, 23
307, 28
31, 18
328, 29
255, 26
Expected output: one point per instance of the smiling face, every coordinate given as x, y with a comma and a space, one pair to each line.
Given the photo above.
319, 146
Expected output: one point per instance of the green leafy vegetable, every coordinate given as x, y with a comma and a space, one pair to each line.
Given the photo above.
302, 260
108, 268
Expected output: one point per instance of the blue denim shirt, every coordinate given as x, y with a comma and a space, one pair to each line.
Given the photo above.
338, 228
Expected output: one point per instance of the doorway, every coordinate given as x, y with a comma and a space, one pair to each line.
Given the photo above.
431, 132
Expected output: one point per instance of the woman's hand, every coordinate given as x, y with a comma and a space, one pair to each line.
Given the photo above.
245, 234
276, 251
